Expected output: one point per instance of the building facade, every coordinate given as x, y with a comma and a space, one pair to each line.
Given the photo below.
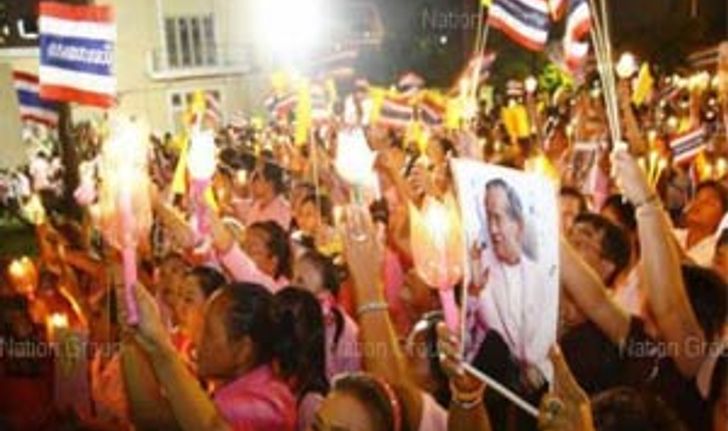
166, 50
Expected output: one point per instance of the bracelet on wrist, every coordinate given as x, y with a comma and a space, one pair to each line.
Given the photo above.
371, 307
651, 198
460, 397
469, 405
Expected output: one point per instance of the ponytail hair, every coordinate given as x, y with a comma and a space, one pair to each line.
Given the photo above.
299, 346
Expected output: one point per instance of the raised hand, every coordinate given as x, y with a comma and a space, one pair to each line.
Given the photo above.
566, 407
630, 178
448, 345
150, 333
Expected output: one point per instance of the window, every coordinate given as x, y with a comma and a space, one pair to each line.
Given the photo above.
210, 40
170, 33
190, 41
196, 41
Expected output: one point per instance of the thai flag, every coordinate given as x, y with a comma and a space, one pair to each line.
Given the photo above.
32, 107
526, 22
410, 83
432, 111
396, 112
578, 26
514, 88
687, 146
76, 54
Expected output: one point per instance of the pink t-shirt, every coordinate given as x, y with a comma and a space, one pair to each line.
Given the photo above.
307, 409
257, 401
277, 210
344, 355
242, 268
434, 417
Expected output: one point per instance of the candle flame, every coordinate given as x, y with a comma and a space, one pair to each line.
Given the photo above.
58, 320
437, 242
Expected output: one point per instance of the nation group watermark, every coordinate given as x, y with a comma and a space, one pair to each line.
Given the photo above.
448, 20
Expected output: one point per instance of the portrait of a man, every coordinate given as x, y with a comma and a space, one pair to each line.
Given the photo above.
511, 228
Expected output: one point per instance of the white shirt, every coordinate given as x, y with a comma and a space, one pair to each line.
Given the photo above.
723, 225
701, 253
517, 302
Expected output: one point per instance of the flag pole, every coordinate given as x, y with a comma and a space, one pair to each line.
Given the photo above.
67, 147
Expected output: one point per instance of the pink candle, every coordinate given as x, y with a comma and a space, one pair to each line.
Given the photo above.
128, 255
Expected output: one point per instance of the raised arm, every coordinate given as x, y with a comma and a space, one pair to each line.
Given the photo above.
382, 353
240, 266
467, 411
192, 407
149, 410
587, 290
666, 292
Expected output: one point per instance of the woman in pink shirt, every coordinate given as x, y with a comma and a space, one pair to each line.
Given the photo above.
235, 352
317, 274
268, 203
300, 350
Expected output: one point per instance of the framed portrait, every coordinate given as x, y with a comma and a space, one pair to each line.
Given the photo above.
510, 302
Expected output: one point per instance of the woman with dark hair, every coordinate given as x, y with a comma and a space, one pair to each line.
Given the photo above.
268, 202
363, 401
300, 350
314, 222
196, 288
264, 256
318, 274
236, 352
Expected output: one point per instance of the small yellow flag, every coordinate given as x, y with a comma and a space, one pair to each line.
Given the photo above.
179, 181
486, 3
644, 85
453, 113
303, 114
515, 119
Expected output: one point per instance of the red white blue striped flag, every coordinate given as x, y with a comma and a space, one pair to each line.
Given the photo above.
687, 146
432, 110
396, 112
76, 54
578, 26
526, 22
32, 107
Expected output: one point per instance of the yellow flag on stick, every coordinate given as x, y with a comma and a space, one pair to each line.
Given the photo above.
515, 119
303, 113
453, 113
179, 181
645, 81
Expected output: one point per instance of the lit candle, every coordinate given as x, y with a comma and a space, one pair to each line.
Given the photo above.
438, 251
124, 199
626, 66
201, 164
355, 161
721, 167
57, 325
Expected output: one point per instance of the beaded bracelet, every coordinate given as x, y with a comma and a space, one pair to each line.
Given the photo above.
371, 307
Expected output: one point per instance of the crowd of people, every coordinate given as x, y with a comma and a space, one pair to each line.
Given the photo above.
300, 307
